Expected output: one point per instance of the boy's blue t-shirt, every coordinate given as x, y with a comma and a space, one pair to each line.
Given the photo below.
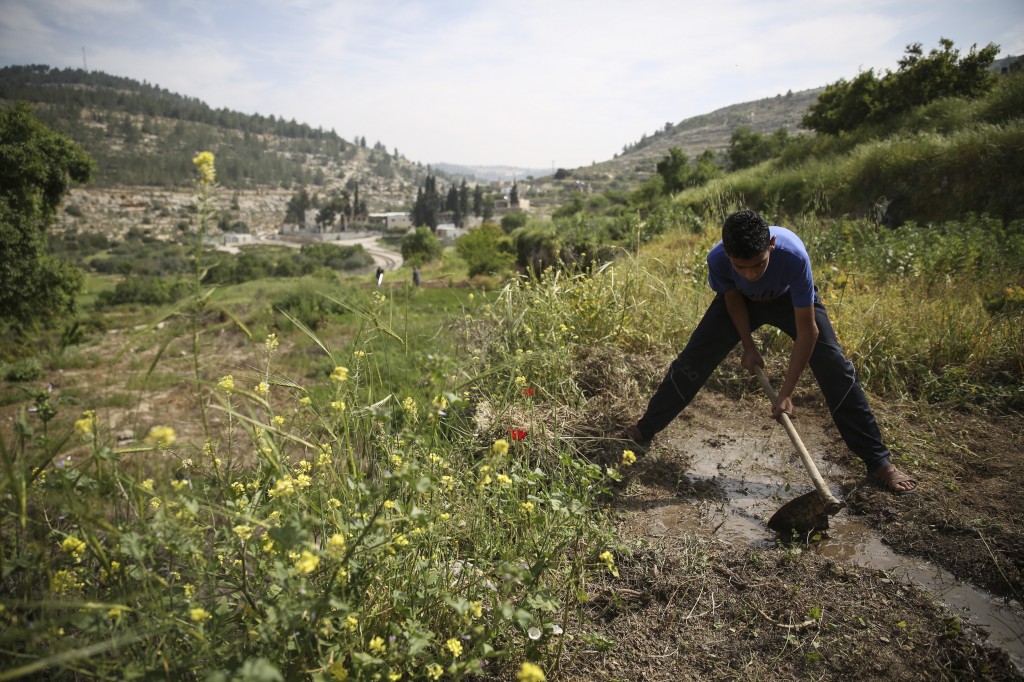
789, 271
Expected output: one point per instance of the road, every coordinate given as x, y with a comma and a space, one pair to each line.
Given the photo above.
385, 258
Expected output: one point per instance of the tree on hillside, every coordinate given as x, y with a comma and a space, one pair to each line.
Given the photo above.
920, 79
428, 204
295, 211
677, 173
748, 147
37, 167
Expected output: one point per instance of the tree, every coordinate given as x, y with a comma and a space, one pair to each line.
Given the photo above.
478, 201
513, 195
749, 148
428, 204
486, 250
37, 168
295, 212
677, 174
845, 105
420, 247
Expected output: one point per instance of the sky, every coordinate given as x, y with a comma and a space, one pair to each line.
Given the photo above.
533, 84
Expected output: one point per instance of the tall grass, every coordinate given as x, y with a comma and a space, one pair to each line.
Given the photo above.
358, 523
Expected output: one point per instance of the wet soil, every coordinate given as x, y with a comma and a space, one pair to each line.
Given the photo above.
921, 586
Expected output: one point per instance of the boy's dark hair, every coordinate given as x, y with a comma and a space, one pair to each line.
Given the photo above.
745, 234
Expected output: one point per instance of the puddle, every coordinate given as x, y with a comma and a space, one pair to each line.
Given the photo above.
743, 468
738, 522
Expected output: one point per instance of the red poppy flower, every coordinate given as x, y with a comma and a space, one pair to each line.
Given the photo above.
516, 434
528, 391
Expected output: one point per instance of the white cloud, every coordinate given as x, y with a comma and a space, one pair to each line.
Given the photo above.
527, 83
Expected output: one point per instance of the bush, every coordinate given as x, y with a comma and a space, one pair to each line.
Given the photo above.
420, 247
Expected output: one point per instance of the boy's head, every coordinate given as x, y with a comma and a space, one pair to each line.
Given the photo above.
745, 235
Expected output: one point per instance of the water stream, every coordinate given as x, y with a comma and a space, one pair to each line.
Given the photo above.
747, 468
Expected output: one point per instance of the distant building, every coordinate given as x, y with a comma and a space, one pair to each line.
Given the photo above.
390, 221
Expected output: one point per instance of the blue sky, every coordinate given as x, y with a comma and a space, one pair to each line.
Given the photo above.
533, 83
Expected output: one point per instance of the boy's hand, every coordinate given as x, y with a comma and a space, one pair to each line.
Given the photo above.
784, 405
751, 359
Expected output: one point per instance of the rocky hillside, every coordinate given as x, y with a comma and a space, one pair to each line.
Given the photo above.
699, 133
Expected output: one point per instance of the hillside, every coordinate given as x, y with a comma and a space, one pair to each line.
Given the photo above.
695, 135
143, 139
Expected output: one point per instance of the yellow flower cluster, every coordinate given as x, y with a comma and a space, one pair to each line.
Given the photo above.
199, 614
306, 563
500, 447
336, 546
74, 547
454, 646
161, 436
289, 485
628, 458
339, 374
530, 672
204, 163
86, 426
226, 383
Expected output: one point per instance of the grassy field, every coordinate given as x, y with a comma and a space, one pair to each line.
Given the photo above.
316, 478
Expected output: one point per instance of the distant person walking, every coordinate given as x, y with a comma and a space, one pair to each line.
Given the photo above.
415, 275
380, 275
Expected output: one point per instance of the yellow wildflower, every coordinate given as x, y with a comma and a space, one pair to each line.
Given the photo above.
161, 436
628, 458
306, 563
305, 400
147, 484
401, 540
278, 420
86, 426
504, 480
243, 531
434, 671
521, 382
65, 581
226, 383
338, 405
338, 671
189, 589
199, 614
351, 623
262, 388
339, 374
336, 546
377, 645
114, 614
74, 547
476, 608
271, 343
204, 163
409, 405
530, 672
155, 503
454, 646
500, 447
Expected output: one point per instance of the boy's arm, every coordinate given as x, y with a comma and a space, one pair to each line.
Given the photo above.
803, 347
737, 309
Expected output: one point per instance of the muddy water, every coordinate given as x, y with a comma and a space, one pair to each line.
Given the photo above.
748, 472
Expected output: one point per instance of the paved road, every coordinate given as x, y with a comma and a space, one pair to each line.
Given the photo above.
385, 258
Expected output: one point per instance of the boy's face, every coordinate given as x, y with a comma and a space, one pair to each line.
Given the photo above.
752, 269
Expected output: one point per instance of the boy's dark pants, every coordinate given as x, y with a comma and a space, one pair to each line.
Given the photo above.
716, 336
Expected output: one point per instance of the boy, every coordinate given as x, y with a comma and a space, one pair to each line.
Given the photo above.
762, 275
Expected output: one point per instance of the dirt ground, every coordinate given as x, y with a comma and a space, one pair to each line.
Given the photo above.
922, 586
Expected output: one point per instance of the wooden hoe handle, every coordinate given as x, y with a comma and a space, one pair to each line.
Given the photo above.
819, 483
